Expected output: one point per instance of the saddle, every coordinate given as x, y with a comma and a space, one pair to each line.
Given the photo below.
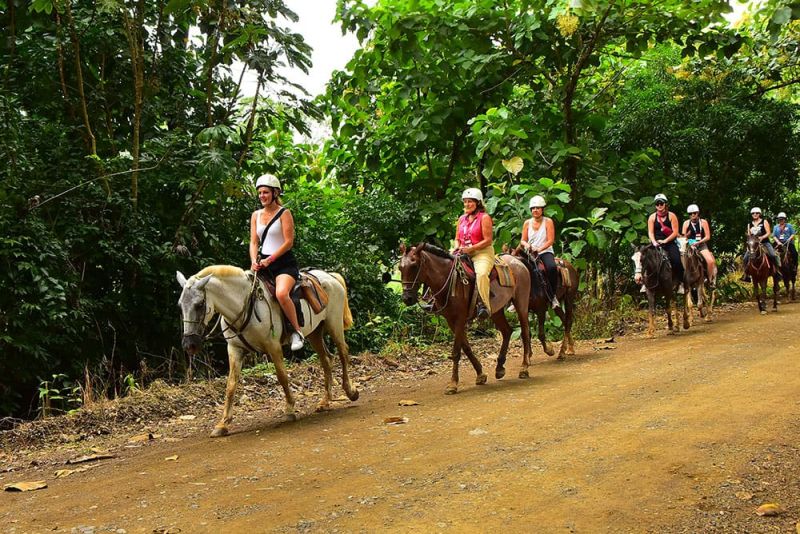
501, 272
563, 272
307, 288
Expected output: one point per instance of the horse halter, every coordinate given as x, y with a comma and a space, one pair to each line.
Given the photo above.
662, 261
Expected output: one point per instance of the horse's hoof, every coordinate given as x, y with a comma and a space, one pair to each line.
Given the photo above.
451, 390
322, 407
763, 312
524, 374
671, 332
353, 395
499, 373
219, 432
290, 417
481, 379
549, 350
560, 357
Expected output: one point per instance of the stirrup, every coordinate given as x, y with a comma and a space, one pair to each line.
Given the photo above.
481, 312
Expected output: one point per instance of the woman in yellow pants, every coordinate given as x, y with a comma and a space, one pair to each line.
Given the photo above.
474, 238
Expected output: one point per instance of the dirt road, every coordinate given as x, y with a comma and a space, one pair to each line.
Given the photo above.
681, 433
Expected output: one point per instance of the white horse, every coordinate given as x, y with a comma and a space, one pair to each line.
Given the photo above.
226, 290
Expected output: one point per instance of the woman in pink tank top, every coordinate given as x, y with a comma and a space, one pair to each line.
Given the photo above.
474, 238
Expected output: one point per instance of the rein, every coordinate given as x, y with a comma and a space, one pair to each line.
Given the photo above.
449, 286
247, 312
657, 276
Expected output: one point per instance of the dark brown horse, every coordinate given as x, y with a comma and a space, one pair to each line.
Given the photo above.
451, 297
655, 271
788, 268
541, 297
695, 274
760, 269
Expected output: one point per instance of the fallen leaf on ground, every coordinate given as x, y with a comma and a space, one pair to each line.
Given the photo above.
26, 486
769, 509
61, 473
341, 398
172, 440
743, 495
408, 403
477, 432
187, 417
396, 420
90, 458
171, 458
143, 437
604, 348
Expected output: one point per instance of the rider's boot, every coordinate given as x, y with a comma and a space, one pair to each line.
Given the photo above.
481, 312
746, 278
680, 289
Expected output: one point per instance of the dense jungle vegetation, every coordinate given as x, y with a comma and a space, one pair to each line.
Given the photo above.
129, 151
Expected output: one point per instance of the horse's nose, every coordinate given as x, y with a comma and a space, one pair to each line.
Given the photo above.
191, 344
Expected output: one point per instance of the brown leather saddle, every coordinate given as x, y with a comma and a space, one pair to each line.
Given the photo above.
501, 272
307, 288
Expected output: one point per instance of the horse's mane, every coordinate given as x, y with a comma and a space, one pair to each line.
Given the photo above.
220, 271
436, 251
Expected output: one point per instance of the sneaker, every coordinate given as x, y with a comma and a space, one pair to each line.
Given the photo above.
296, 340
681, 290
643, 290
555, 302
511, 309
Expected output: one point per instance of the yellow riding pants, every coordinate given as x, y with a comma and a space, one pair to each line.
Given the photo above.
483, 260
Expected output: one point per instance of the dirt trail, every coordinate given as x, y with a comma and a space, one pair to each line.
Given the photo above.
655, 435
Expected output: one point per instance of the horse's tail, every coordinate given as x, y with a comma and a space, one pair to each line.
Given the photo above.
346, 315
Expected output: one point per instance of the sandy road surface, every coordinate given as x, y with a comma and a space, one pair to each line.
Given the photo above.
654, 435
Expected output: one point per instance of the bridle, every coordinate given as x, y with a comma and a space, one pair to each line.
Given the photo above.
662, 261
448, 285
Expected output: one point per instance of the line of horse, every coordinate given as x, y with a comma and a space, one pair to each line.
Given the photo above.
251, 320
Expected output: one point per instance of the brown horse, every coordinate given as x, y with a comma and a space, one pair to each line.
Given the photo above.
653, 269
695, 274
788, 268
541, 297
452, 296
760, 269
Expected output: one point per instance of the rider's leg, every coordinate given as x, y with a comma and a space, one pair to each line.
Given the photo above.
711, 263
283, 286
483, 261
745, 261
551, 270
674, 255
776, 262
793, 251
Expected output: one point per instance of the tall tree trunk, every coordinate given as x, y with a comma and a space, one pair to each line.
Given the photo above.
133, 31
76, 50
212, 61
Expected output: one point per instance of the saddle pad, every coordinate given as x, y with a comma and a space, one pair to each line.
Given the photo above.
313, 292
505, 276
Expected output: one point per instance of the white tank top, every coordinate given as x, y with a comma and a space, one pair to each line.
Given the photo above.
274, 238
537, 238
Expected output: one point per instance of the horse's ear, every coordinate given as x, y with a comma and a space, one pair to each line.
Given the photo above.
202, 283
181, 278
402, 248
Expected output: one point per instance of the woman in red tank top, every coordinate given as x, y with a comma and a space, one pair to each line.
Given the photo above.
474, 238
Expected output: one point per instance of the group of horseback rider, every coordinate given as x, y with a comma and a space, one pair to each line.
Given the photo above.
783, 234
474, 238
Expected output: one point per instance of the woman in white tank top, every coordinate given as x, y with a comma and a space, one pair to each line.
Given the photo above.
273, 258
538, 236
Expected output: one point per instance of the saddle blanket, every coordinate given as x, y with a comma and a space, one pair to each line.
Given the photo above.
501, 272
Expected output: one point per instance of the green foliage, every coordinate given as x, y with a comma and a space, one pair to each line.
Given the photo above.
58, 395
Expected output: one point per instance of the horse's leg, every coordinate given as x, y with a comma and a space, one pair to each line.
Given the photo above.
775, 292
561, 315
541, 315
688, 309
283, 379
569, 307
672, 327
501, 323
234, 369
651, 314
521, 304
336, 331
458, 326
480, 376
315, 338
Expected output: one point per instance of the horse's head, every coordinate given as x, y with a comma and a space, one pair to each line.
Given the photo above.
753, 245
195, 311
637, 264
409, 272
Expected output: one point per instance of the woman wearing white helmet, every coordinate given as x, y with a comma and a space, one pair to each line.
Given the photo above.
662, 229
784, 234
760, 227
538, 236
271, 242
698, 233
474, 238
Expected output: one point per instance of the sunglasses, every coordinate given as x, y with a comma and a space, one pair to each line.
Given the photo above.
660, 203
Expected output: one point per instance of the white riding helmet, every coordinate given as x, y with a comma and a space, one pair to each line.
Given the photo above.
692, 209
268, 180
473, 193
781, 215
660, 196
755, 210
537, 202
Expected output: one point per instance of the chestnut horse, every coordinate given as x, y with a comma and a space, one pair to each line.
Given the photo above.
695, 275
652, 267
760, 269
788, 268
541, 297
452, 298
